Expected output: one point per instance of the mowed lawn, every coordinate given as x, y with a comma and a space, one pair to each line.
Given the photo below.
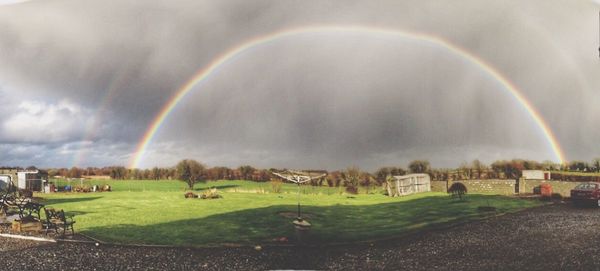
155, 212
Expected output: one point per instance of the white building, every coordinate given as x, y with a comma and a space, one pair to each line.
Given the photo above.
536, 175
22, 179
30, 180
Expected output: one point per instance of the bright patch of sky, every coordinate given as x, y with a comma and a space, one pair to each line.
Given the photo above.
11, 2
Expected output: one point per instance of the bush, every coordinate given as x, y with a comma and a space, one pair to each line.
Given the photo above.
556, 196
276, 186
352, 190
351, 179
210, 193
457, 190
190, 195
82, 189
106, 188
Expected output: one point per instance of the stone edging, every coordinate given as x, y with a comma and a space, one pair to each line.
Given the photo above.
31, 238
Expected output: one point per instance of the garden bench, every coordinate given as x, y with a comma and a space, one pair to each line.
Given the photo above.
24, 206
29, 209
56, 219
10, 204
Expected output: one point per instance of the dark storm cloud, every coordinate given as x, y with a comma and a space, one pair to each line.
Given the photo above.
313, 101
376, 105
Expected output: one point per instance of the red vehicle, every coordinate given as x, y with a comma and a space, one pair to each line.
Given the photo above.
586, 193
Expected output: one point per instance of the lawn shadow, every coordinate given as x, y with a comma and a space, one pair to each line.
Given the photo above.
330, 224
67, 200
76, 213
456, 201
225, 186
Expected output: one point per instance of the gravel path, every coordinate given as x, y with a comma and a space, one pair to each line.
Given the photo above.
557, 237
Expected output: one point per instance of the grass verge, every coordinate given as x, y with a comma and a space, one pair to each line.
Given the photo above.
158, 214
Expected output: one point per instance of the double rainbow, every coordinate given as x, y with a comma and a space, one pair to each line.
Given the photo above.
207, 70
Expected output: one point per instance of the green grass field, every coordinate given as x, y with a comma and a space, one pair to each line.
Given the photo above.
155, 212
226, 186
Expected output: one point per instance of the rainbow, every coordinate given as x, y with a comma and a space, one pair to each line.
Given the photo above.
213, 66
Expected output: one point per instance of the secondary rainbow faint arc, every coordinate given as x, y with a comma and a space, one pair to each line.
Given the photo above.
93, 126
207, 70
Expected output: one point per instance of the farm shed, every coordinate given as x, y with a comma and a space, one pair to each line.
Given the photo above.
408, 184
23, 179
536, 175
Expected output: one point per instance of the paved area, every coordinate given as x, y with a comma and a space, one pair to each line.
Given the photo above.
557, 237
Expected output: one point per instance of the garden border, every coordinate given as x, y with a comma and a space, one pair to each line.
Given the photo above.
30, 238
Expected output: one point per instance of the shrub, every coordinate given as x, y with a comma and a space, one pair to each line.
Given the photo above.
351, 179
276, 186
190, 195
352, 190
556, 196
82, 189
210, 193
457, 190
106, 188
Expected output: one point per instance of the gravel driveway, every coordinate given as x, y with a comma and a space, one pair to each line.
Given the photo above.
557, 237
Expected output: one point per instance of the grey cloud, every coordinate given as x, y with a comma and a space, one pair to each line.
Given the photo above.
326, 101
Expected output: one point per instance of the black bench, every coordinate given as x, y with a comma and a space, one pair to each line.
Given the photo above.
56, 220
29, 209
7, 202
24, 207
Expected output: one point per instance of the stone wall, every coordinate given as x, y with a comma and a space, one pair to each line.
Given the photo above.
493, 186
507, 187
438, 186
563, 188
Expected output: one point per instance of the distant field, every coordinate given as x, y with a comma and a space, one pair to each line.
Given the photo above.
230, 186
155, 212
127, 185
575, 173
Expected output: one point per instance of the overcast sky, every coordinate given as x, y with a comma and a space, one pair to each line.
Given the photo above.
80, 82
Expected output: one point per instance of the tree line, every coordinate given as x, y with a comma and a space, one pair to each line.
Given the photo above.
160, 173
352, 176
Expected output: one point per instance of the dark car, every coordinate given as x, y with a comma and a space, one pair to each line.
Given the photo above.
586, 193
